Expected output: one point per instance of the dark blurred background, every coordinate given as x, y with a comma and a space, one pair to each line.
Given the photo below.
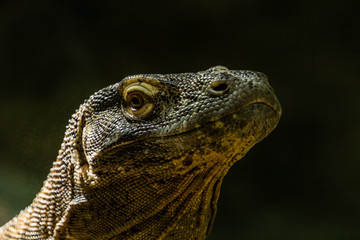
301, 183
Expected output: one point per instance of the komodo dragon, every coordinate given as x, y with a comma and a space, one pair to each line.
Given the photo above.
145, 158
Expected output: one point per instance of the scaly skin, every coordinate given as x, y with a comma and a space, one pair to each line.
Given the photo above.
145, 158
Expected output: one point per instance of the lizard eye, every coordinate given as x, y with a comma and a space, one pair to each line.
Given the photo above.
138, 104
135, 100
138, 99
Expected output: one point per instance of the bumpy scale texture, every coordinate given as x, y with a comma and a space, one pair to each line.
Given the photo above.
145, 157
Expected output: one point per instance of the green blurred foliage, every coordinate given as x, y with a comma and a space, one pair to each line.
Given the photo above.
300, 183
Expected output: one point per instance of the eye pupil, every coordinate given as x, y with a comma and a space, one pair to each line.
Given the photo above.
135, 101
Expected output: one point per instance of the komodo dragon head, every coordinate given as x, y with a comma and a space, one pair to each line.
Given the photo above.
145, 157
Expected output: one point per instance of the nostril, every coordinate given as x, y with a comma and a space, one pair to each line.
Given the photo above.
218, 88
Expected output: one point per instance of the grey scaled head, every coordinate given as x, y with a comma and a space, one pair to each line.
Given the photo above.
177, 112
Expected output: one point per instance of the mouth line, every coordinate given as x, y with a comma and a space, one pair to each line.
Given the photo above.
276, 109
